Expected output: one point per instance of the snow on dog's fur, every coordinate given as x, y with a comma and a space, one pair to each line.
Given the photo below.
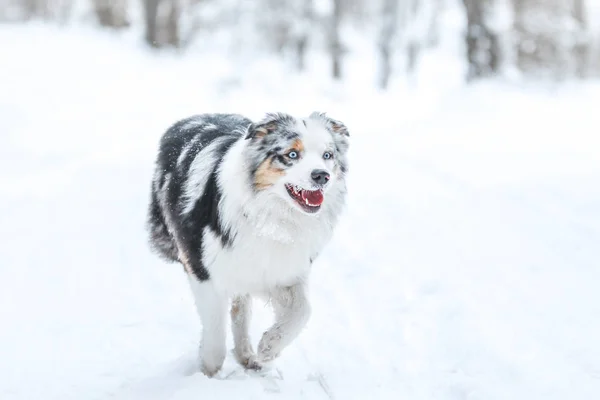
246, 208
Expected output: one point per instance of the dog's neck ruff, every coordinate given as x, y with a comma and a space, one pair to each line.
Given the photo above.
271, 217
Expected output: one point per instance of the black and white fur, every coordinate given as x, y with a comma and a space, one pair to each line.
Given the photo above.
222, 204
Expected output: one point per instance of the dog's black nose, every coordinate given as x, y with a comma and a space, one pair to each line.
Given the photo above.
320, 176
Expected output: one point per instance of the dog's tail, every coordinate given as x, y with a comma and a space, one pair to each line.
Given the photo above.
161, 240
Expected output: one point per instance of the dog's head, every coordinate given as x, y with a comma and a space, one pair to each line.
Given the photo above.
299, 160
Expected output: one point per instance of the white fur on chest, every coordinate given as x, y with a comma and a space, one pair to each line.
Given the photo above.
256, 263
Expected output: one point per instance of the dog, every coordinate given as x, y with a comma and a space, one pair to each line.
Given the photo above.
246, 208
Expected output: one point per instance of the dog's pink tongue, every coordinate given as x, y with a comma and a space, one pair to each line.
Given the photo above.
314, 197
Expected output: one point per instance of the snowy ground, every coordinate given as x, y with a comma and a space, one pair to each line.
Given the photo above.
467, 265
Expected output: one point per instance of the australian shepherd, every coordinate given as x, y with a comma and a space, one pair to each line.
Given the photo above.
246, 208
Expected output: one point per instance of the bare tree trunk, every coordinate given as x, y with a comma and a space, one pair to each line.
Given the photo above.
389, 28
162, 19
433, 31
30, 7
582, 44
304, 30
151, 22
173, 37
335, 41
65, 12
595, 56
413, 46
112, 13
545, 37
482, 43
51, 10
412, 54
301, 46
36, 9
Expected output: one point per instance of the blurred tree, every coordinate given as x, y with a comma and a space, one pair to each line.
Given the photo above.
173, 37
37, 9
335, 41
301, 31
583, 42
111, 13
482, 42
151, 22
551, 37
161, 19
22, 10
419, 20
286, 27
389, 27
433, 33
275, 19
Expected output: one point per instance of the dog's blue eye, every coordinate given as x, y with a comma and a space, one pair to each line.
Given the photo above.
292, 155
327, 155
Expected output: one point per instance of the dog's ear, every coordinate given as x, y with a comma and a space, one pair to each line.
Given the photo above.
333, 124
259, 130
254, 130
267, 125
339, 127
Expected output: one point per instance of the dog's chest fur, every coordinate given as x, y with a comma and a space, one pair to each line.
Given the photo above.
264, 255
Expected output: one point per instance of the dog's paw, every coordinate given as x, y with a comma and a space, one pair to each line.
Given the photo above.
210, 366
211, 359
246, 358
267, 355
268, 348
251, 363
209, 370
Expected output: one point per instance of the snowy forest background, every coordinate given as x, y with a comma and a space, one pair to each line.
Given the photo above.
554, 39
466, 264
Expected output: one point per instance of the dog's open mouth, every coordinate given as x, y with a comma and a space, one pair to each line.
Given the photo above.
309, 200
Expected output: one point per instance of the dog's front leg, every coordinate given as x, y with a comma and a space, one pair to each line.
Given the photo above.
212, 309
292, 311
241, 314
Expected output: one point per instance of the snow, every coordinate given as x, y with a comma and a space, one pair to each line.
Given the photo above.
466, 265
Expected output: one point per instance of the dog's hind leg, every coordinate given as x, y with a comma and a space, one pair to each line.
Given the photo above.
212, 309
292, 311
241, 314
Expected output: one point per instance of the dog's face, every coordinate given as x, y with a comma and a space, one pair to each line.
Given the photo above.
300, 160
